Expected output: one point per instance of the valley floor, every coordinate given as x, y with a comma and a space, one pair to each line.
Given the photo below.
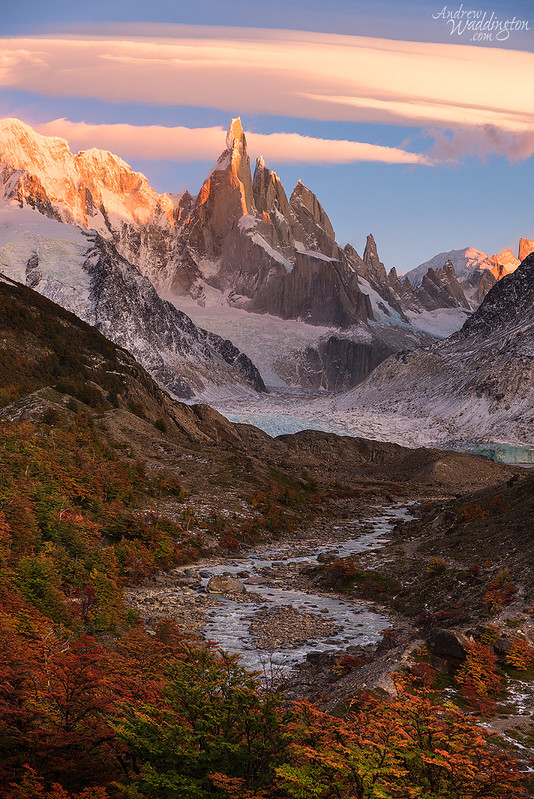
309, 612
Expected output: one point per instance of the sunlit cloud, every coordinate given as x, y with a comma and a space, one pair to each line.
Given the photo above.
291, 73
190, 144
481, 142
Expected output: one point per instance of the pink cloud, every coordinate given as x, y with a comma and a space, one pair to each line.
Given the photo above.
188, 144
312, 75
481, 142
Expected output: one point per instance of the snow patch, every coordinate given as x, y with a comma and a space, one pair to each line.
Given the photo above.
274, 254
60, 249
440, 323
248, 222
318, 255
382, 311
264, 338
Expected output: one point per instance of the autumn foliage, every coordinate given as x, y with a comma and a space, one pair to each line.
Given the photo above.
71, 529
520, 656
404, 747
92, 707
478, 677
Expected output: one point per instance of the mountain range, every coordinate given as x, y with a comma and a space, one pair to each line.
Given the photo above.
475, 386
264, 271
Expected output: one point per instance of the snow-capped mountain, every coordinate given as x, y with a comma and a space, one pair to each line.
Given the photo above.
83, 272
242, 245
268, 254
240, 239
475, 270
476, 386
93, 189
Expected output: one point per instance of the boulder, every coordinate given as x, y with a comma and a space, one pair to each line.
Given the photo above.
193, 582
502, 646
221, 584
256, 581
448, 643
326, 658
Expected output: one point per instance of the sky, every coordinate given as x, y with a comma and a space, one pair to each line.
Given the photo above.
410, 120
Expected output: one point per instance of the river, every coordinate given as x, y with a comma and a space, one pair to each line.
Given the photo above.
228, 620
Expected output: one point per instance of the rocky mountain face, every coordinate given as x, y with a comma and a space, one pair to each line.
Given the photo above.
244, 241
439, 287
476, 271
477, 385
526, 246
84, 273
93, 189
267, 253
240, 235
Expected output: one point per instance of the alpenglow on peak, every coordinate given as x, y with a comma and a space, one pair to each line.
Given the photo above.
235, 131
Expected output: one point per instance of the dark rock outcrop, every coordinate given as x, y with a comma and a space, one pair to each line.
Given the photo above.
337, 363
440, 289
448, 643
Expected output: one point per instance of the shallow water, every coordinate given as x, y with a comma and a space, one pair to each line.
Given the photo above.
228, 622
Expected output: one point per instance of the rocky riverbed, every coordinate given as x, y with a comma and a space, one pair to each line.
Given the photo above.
262, 606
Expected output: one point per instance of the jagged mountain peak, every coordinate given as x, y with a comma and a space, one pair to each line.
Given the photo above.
370, 253
235, 133
269, 193
466, 261
239, 235
94, 188
26, 148
303, 198
17, 132
373, 269
504, 262
232, 173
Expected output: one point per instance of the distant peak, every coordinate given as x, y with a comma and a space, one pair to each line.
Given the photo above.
301, 190
102, 159
526, 246
260, 163
370, 253
11, 122
235, 131
17, 130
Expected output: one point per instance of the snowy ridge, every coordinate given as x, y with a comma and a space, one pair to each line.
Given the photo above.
477, 385
465, 262
241, 236
440, 323
84, 274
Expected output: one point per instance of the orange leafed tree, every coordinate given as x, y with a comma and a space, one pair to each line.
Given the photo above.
402, 748
520, 655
